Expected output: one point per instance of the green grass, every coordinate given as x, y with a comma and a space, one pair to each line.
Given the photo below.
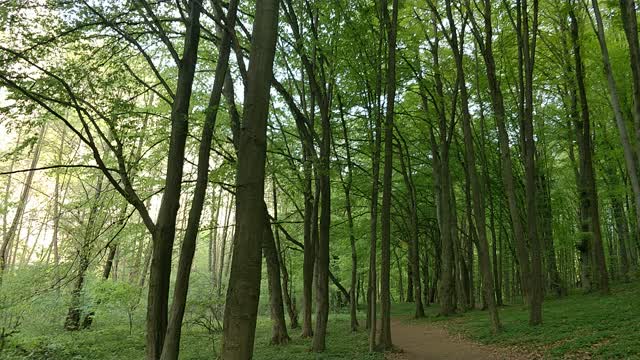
341, 343
576, 326
109, 339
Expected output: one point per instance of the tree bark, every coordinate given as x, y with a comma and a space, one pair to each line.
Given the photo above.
385, 248
291, 306
74, 315
527, 49
243, 292
629, 157
376, 131
445, 269
279, 335
630, 25
216, 204
171, 346
622, 229
164, 231
415, 288
322, 257
12, 232
223, 249
485, 42
589, 209
346, 185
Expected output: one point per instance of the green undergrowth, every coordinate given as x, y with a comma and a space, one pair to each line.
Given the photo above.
109, 338
341, 343
576, 326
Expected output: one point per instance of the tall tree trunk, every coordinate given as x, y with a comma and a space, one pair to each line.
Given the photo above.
291, 306
109, 264
385, 248
372, 287
546, 217
12, 232
56, 204
172, 338
527, 49
629, 157
322, 256
309, 259
223, 248
164, 231
243, 292
486, 186
7, 191
442, 175
346, 184
622, 229
400, 282
72, 321
415, 288
497, 272
630, 25
425, 277
279, 333
216, 204
461, 273
485, 43
590, 214
409, 297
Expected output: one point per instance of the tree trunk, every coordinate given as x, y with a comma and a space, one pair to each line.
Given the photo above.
7, 191
223, 252
243, 292
12, 232
385, 266
172, 338
589, 209
56, 205
546, 217
497, 101
630, 160
279, 335
353, 306
109, 264
409, 297
72, 321
216, 204
413, 270
526, 50
425, 278
630, 25
442, 181
291, 306
622, 229
164, 232
372, 288
309, 260
322, 256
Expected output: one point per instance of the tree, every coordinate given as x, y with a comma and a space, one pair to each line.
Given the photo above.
385, 266
244, 280
12, 232
590, 245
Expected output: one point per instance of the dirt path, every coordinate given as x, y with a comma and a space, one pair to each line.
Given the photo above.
430, 342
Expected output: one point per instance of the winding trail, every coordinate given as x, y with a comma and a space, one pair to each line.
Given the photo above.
430, 342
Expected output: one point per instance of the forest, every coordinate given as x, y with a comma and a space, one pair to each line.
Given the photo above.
319, 179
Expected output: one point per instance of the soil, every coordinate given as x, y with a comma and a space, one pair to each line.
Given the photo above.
432, 342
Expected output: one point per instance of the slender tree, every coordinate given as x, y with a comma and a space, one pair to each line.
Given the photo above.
244, 282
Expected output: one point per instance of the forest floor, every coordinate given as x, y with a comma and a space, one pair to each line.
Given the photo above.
578, 326
432, 342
